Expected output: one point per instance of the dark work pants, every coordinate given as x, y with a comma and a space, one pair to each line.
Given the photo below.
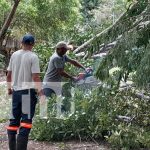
23, 109
48, 92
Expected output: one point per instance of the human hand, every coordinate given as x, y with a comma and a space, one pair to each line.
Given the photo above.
88, 70
40, 93
42, 97
75, 79
9, 91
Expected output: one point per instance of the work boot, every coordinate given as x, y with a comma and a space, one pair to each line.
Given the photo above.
22, 142
12, 141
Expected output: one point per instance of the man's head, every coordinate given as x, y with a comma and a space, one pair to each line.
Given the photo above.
28, 41
62, 47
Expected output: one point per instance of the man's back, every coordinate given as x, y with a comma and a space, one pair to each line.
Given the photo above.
22, 64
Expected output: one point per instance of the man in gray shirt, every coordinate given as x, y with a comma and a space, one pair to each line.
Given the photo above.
55, 71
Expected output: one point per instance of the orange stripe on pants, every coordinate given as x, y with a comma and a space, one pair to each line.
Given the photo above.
12, 128
26, 125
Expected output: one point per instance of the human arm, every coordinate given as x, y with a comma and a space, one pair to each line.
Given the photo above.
64, 74
59, 66
37, 82
35, 69
8, 79
77, 64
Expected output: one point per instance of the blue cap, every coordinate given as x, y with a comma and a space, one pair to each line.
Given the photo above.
28, 39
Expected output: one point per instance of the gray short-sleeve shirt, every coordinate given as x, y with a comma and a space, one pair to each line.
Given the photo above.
55, 63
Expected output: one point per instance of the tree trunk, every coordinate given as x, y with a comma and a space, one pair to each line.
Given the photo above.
4, 29
8, 21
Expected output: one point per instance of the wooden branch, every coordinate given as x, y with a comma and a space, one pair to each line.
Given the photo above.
121, 23
138, 95
81, 54
8, 21
99, 55
91, 40
124, 118
86, 55
142, 96
108, 47
105, 49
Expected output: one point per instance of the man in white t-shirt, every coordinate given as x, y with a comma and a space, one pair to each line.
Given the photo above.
24, 84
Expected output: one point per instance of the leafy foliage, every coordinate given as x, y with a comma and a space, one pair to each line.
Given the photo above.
49, 20
130, 53
44, 51
105, 105
4, 8
87, 7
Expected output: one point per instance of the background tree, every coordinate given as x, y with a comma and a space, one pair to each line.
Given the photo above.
48, 20
5, 24
8, 21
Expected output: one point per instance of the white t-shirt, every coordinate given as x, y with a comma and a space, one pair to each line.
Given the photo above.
23, 63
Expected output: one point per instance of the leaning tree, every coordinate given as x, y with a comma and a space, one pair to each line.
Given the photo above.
126, 43
6, 26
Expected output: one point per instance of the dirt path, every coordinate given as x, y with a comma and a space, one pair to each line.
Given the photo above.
35, 145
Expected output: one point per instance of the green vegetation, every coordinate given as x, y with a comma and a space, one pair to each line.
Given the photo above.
95, 117
115, 110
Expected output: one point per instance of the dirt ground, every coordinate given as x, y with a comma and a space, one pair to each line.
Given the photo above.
36, 145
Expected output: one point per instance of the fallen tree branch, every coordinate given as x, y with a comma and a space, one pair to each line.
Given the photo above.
119, 24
